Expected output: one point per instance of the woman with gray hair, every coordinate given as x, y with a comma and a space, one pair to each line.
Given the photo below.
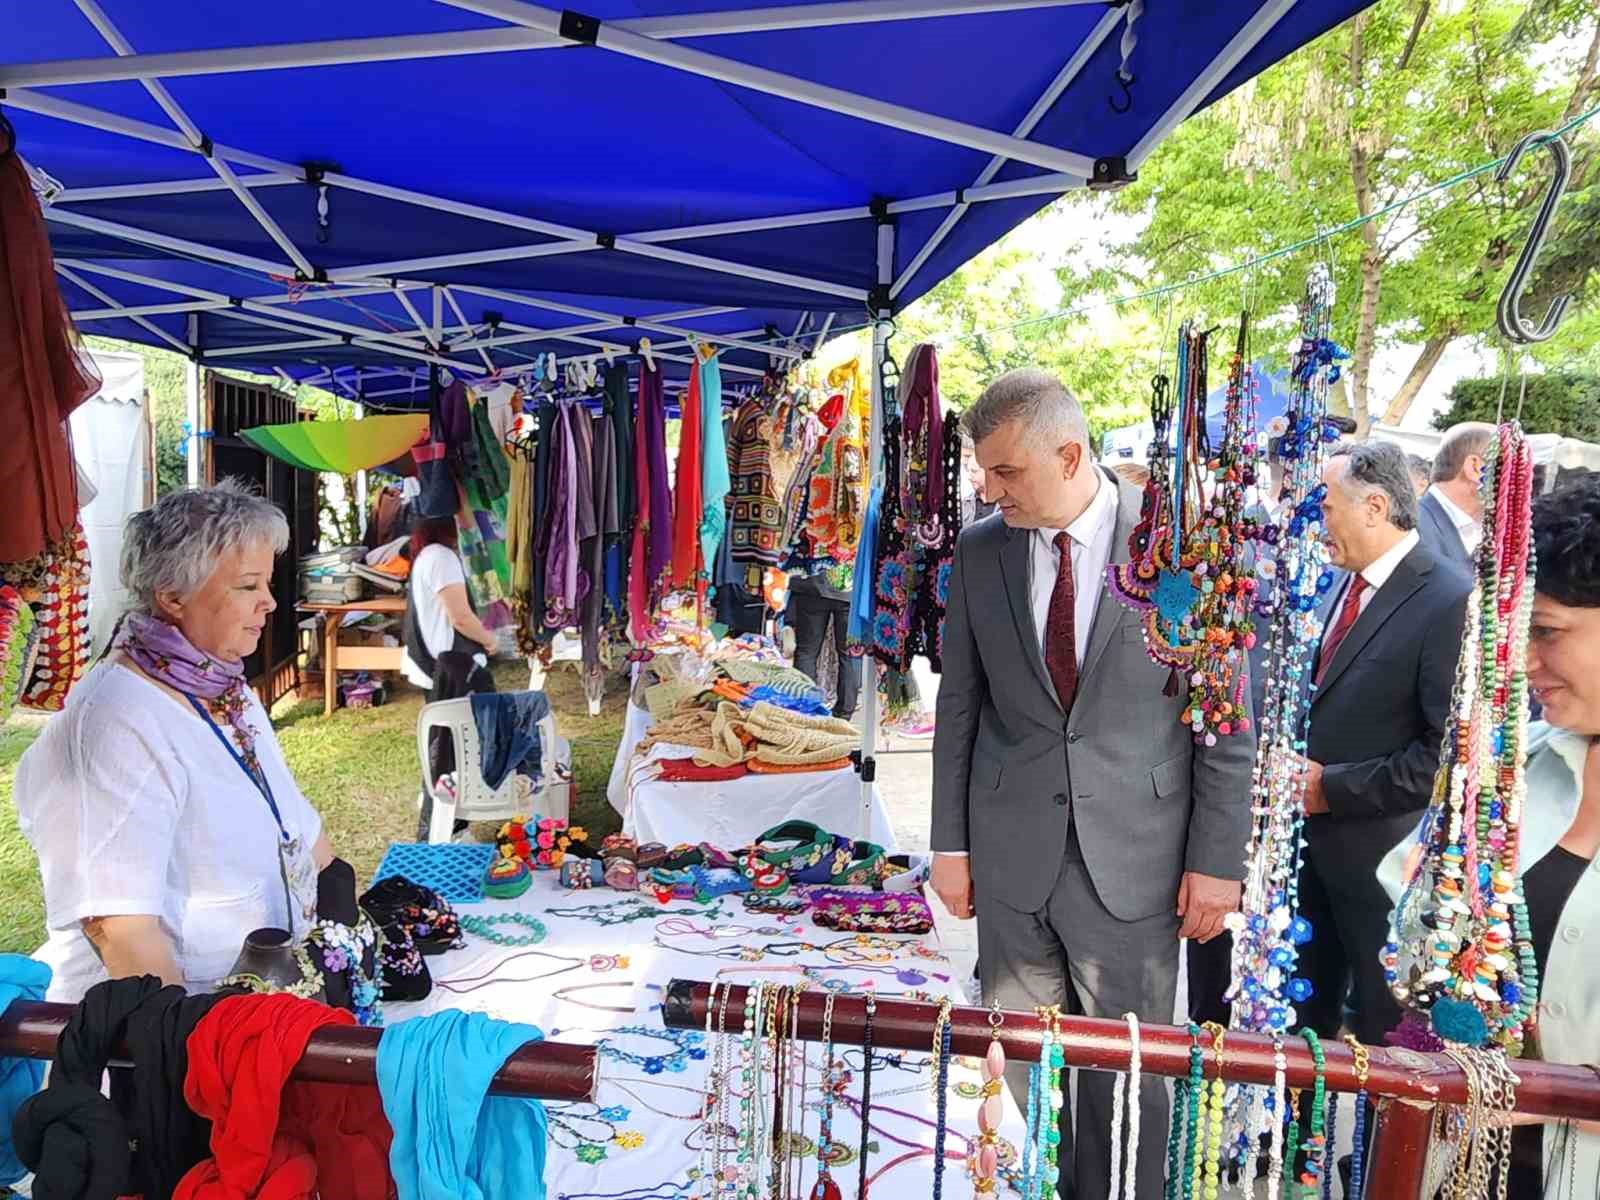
165, 819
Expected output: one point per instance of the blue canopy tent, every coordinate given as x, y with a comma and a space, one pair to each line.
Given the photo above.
339, 190
756, 177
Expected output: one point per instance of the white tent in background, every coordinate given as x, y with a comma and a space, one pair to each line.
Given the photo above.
111, 445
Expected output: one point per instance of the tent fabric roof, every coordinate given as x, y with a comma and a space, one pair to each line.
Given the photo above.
668, 156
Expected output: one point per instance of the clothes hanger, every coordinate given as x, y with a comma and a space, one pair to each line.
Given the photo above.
644, 353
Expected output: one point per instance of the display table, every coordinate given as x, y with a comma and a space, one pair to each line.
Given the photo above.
737, 811
656, 1115
336, 658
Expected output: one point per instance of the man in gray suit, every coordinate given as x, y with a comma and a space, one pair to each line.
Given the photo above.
1072, 811
1450, 515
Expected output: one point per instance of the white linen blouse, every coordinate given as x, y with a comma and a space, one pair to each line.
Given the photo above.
135, 807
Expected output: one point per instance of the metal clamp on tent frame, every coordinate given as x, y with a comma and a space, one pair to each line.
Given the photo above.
579, 28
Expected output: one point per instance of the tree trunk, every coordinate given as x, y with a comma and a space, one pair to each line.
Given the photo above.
1432, 351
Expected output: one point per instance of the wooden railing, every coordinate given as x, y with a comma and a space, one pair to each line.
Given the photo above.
1406, 1086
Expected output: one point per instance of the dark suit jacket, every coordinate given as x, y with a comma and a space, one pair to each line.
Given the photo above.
1379, 717
1439, 532
1011, 769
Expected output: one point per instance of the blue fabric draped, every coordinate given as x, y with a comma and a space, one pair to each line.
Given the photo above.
452, 1141
21, 978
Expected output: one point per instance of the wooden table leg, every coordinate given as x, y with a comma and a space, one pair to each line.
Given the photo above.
330, 658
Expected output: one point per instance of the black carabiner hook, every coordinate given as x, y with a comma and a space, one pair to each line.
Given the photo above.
1508, 313
1124, 81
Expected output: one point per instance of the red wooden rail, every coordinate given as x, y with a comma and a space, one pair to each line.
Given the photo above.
1406, 1085
340, 1054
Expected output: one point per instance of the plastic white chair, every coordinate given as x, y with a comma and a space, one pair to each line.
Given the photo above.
474, 801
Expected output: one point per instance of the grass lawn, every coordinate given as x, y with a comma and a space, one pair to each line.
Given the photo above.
359, 767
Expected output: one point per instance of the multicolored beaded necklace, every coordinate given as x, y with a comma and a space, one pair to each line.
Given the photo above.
1186, 571
1460, 955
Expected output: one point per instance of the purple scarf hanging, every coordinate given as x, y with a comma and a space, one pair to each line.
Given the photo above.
653, 430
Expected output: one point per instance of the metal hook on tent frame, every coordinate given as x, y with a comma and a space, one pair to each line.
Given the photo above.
1508, 312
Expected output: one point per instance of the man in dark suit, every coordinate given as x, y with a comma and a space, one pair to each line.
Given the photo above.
1383, 679
1451, 514
1073, 813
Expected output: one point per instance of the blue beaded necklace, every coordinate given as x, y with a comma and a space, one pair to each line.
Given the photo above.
688, 1045
942, 1089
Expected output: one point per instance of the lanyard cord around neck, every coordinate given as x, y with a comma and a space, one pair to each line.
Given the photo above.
257, 776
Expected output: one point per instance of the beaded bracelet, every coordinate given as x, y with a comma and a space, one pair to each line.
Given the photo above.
1358, 1139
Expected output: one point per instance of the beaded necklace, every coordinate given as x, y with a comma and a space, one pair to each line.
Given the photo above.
1315, 1142
1185, 1117
1216, 1119
632, 908
825, 1188
1046, 1135
1359, 1137
1277, 1119
688, 1045
866, 1093
941, 1078
1459, 953
987, 1161
485, 927
1125, 1106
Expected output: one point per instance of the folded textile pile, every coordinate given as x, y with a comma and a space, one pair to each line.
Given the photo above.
763, 736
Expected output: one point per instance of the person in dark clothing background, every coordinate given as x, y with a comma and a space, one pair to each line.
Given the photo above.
814, 603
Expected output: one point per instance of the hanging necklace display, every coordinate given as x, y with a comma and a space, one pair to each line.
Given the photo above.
1459, 955
1186, 569
825, 1188
866, 1095
1293, 573
941, 1082
987, 1164
1359, 1137
1185, 1118
1315, 1143
1125, 1108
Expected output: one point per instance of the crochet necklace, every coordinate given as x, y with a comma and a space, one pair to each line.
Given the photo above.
1460, 955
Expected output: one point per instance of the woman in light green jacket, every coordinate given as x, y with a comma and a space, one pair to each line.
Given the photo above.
1561, 829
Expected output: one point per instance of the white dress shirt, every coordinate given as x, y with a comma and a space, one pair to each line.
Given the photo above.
1090, 536
1469, 530
1376, 574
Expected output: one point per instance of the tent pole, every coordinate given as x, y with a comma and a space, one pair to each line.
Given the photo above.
334, 52
171, 187
107, 299
1025, 127
193, 471
789, 87
147, 310
881, 315
271, 347
161, 241
1266, 18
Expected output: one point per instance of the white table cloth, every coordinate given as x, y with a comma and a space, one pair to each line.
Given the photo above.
733, 812
506, 986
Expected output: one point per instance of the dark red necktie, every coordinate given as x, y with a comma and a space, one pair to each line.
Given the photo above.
1061, 629
1348, 612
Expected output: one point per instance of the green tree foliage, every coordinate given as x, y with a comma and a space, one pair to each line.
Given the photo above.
1563, 402
1409, 93
984, 319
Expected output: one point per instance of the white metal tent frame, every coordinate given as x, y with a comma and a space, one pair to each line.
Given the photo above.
533, 27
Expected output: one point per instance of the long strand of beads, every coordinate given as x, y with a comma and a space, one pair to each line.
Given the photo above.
485, 927
866, 1092
1135, 1066
1194, 1157
826, 1188
1118, 1112
1176, 1136
1315, 1142
708, 1181
1331, 1139
1030, 1143
1215, 1103
942, 1083
1052, 1130
1358, 1160
1275, 1120
987, 1162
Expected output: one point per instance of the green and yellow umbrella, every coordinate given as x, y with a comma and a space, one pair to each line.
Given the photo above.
343, 447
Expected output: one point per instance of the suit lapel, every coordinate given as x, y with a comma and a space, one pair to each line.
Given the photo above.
1108, 611
1407, 579
1014, 571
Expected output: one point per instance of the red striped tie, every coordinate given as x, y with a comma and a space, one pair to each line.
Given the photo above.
1060, 629
1348, 612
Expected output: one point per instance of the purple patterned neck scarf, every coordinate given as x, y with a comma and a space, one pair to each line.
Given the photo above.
161, 651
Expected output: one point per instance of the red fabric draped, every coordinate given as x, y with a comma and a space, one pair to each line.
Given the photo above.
271, 1139
43, 377
687, 497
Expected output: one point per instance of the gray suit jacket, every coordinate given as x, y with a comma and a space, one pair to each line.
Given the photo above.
1010, 766
1438, 532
